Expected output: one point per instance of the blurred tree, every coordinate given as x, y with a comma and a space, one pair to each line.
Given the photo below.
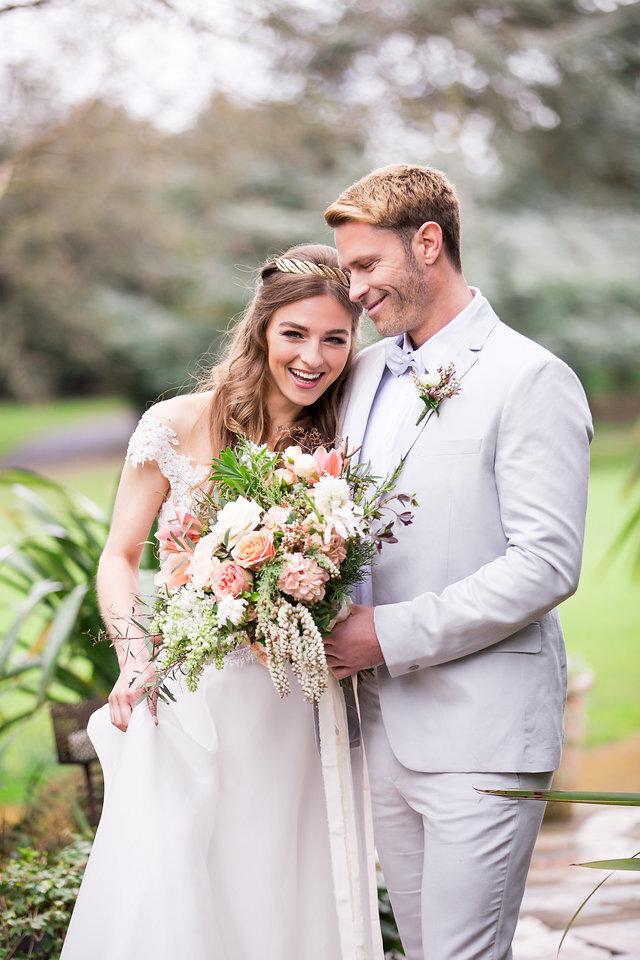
120, 246
547, 89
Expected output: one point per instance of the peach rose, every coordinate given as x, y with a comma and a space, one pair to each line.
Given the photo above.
229, 580
174, 570
254, 549
302, 578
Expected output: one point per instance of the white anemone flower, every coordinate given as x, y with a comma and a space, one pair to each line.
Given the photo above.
231, 609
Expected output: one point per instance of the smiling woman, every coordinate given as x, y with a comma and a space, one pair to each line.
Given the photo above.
309, 344
207, 794
290, 355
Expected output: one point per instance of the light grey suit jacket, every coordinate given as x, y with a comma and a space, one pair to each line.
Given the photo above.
475, 675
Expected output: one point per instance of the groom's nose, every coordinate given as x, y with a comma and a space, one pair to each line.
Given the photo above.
357, 287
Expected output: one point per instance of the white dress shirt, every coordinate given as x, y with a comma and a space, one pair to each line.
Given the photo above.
395, 398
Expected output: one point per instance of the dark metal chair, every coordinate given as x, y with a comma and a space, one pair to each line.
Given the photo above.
73, 744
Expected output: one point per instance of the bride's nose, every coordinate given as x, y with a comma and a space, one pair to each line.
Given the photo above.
311, 353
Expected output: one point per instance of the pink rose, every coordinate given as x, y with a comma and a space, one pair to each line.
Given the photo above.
276, 518
229, 580
254, 549
328, 462
181, 531
302, 578
174, 570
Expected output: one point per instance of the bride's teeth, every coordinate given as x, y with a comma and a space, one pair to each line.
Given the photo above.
305, 376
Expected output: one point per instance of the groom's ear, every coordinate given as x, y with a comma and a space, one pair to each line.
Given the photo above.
427, 243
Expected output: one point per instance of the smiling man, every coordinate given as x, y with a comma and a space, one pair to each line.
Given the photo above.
459, 617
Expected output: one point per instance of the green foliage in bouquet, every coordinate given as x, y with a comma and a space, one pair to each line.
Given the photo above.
49, 652
37, 894
269, 558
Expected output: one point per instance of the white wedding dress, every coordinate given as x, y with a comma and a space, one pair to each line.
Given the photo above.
214, 841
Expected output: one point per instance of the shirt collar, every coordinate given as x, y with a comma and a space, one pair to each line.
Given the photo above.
437, 350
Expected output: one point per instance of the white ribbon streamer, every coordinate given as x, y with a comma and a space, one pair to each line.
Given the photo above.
360, 940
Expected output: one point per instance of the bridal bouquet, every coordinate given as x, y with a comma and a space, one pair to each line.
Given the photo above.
267, 559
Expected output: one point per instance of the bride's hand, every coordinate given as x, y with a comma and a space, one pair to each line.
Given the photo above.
135, 677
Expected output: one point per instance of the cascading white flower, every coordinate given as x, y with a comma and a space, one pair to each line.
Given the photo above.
338, 511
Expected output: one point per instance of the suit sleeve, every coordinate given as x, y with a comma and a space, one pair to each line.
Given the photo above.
541, 477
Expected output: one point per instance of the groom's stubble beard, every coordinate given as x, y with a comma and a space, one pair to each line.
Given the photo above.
406, 301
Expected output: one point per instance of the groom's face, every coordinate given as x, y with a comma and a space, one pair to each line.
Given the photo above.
386, 278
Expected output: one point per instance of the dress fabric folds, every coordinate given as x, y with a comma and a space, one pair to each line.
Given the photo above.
214, 841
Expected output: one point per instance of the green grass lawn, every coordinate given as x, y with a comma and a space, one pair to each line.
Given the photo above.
601, 622
20, 423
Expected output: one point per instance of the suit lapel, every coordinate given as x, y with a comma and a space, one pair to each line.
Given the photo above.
360, 395
466, 350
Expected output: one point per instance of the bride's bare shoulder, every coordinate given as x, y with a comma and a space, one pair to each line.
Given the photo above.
182, 414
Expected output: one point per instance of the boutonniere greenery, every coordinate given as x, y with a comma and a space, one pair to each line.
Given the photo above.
435, 387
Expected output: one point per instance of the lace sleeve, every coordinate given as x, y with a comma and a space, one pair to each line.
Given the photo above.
154, 440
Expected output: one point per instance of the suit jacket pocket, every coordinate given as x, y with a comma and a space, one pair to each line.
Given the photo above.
448, 448
527, 640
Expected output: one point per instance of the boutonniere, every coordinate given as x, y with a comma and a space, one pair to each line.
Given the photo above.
435, 387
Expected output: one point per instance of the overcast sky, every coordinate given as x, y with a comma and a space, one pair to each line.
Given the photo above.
134, 52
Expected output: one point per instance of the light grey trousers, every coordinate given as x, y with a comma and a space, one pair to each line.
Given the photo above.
454, 861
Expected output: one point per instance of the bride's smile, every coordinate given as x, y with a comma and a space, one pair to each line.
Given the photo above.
308, 345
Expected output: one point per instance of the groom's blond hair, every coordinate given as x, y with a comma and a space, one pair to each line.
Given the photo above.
402, 197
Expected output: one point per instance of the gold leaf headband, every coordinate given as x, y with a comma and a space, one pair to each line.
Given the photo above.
302, 267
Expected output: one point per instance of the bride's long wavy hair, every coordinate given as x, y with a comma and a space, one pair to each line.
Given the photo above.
241, 379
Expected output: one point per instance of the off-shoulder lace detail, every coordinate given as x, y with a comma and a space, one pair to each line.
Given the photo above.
154, 440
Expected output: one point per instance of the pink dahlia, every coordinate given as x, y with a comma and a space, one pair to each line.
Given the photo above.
302, 578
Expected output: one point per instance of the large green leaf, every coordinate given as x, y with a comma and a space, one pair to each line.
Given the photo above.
61, 627
571, 796
39, 590
50, 566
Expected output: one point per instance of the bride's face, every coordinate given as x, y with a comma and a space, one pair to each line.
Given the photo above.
308, 344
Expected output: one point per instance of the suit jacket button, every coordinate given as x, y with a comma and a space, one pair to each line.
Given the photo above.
414, 666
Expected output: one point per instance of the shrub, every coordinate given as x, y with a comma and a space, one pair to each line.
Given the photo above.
37, 894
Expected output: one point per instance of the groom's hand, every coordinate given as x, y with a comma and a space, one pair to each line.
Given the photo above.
353, 644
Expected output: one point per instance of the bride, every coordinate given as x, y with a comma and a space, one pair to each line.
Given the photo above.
214, 841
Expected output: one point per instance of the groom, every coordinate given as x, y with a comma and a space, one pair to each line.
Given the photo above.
460, 616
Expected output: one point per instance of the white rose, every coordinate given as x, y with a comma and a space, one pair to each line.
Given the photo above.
304, 466
231, 609
238, 517
203, 562
330, 493
291, 454
428, 380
